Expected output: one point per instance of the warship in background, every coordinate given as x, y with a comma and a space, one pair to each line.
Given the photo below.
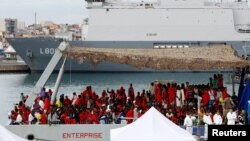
136, 24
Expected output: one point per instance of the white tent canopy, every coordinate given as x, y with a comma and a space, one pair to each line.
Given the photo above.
152, 126
6, 135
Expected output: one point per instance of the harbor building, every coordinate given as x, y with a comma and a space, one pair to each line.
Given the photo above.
9, 27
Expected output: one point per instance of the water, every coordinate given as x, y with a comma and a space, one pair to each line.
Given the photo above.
11, 85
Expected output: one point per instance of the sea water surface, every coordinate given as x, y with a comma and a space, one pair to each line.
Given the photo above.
11, 85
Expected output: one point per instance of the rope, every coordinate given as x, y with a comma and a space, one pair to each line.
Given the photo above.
70, 69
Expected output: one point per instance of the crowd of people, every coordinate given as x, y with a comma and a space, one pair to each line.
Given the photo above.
178, 102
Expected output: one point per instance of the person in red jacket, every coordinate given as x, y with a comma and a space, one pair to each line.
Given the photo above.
131, 92
130, 115
171, 94
13, 116
143, 100
82, 117
224, 93
87, 92
220, 81
46, 106
138, 99
205, 98
67, 101
78, 101
158, 96
174, 119
43, 118
73, 121
94, 118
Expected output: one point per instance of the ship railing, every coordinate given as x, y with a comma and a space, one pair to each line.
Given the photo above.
121, 4
225, 1
228, 3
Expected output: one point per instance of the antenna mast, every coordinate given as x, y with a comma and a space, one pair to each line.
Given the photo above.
35, 18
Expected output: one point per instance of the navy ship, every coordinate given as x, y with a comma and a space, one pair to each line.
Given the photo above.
146, 24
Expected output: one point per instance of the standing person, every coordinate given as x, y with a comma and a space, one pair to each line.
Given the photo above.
158, 96
171, 94
234, 99
211, 98
182, 95
220, 81
131, 92
188, 122
152, 88
217, 118
208, 121
231, 117
219, 99
189, 95
228, 105
178, 97
43, 92
215, 82
196, 95
205, 97
46, 106
74, 98
22, 98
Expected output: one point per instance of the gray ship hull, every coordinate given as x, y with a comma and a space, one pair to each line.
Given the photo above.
70, 132
37, 52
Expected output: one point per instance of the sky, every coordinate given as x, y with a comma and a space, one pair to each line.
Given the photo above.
58, 11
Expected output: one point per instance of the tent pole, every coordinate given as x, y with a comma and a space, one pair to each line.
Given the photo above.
233, 85
198, 123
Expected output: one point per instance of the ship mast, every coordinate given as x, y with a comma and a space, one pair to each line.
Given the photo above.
35, 19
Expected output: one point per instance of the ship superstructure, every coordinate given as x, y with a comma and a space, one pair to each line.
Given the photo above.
147, 24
